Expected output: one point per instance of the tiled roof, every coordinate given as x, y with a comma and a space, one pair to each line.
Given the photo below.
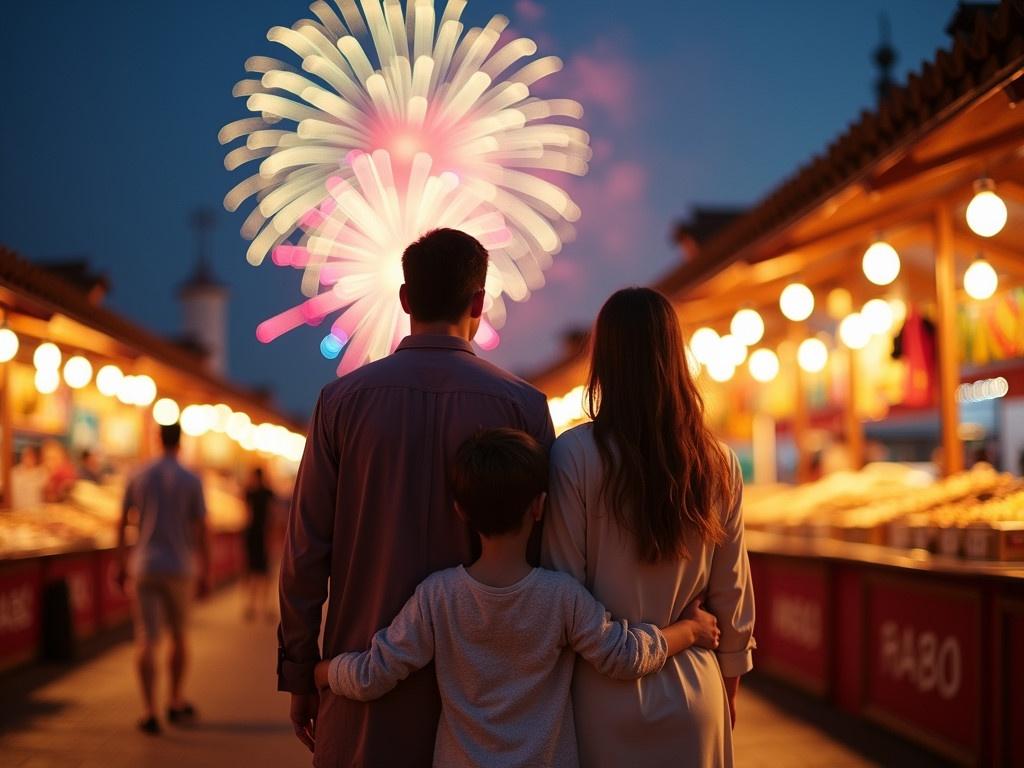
993, 52
45, 288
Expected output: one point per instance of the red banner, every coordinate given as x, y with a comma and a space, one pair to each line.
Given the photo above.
923, 666
20, 616
81, 572
792, 621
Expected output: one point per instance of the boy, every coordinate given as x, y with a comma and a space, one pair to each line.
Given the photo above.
502, 633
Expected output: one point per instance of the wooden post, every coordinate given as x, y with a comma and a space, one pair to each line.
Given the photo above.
801, 412
947, 341
854, 426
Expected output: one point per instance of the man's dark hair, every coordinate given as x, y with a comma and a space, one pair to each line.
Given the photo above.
443, 270
496, 474
170, 435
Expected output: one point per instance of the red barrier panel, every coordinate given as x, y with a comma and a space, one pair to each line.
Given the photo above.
115, 604
20, 615
793, 621
81, 572
923, 665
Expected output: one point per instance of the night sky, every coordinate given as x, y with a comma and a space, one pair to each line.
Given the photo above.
111, 112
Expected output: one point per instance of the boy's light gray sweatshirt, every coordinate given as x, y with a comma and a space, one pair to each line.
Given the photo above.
504, 658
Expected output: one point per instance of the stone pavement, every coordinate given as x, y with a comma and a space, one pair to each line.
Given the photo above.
83, 717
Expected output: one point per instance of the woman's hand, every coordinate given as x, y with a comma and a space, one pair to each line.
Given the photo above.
320, 675
706, 632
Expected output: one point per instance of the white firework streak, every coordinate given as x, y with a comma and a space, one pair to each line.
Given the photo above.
356, 162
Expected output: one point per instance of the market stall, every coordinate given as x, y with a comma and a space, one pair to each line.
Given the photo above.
859, 340
82, 395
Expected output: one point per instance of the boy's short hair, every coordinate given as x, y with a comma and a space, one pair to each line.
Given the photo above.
496, 474
443, 269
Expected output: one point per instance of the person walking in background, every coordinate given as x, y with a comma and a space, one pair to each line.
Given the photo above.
258, 500
28, 480
372, 513
167, 501
644, 510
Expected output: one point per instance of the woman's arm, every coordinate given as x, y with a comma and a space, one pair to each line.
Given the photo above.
563, 546
405, 646
730, 595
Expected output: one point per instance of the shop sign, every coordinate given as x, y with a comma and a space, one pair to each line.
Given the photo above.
80, 574
20, 616
792, 632
923, 672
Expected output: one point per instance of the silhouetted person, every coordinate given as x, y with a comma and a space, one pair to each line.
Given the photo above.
170, 552
373, 512
258, 499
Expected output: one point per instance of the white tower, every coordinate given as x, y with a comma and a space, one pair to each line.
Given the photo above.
204, 299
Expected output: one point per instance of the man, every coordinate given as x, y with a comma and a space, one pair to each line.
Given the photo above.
171, 513
373, 513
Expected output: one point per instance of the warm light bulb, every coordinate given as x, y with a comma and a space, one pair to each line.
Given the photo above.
721, 368
126, 390
986, 213
854, 331
734, 350
980, 280
221, 417
239, 425
797, 302
704, 344
747, 326
879, 316
196, 420
143, 390
77, 372
108, 380
764, 365
812, 355
881, 263
46, 357
47, 380
166, 412
8, 344
899, 311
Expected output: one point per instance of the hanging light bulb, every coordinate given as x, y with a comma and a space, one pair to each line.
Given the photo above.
8, 344
812, 355
764, 365
77, 372
980, 280
704, 344
854, 331
721, 368
166, 412
747, 326
986, 213
797, 302
733, 349
47, 380
46, 357
881, 263
108, 380
879, 316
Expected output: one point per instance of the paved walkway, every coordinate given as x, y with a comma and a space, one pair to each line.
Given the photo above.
82, 718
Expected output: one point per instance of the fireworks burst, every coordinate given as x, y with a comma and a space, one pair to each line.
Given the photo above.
362, 153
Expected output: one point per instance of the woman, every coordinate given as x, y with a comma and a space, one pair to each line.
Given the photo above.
645, 512
258, 498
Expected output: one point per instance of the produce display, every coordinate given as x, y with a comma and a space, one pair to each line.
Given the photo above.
977, 514
89, 518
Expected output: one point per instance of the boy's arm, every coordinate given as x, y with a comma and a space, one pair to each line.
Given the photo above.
406, 645
618, 649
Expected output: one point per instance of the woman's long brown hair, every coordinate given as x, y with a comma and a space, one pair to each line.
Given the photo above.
665, 473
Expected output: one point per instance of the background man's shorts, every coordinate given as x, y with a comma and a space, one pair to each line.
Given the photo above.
161, 601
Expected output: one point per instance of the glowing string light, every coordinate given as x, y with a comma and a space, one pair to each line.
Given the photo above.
430, 125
